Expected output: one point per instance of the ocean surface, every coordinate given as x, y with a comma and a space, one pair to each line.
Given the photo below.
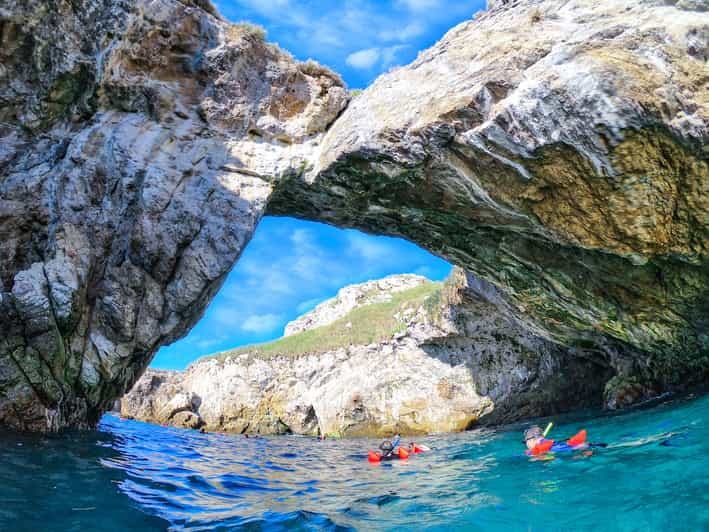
127, 475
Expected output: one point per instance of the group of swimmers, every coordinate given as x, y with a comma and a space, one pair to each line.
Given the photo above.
535, 440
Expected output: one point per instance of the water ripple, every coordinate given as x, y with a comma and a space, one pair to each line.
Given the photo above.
134, 476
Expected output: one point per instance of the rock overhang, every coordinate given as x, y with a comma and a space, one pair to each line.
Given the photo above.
569, 169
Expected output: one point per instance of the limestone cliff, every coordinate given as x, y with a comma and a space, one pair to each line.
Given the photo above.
557, 149
139, 141
351, 297
409, 356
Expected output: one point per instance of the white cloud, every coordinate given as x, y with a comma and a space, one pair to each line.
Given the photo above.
389, 55
261, 323
209, 343
425, 271
308, 267
267, 7
408, 32
302, 237
367, 247
363, 59
226, 315
273, 281
420, 5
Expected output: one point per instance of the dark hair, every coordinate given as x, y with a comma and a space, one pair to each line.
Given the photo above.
386, 446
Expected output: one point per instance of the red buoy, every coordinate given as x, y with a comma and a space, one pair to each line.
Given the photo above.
578, 439
374, 457
542, 447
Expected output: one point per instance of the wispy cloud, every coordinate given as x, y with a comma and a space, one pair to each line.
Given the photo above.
227, 316
364, 58
390, 55
375, 57
261, 323
368, 248
421, 5
209, 343
308, 305
403, 34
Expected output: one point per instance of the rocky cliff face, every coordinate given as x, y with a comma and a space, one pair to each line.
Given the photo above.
138, 144
454, 361
563, 160
351, 297
557, 149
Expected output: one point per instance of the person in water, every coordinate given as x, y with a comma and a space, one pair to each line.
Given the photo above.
533, 436
388, 448
537, 444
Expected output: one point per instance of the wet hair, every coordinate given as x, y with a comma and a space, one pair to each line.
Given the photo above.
386, 446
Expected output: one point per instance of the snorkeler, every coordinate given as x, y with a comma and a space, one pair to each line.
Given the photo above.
537, 443
388, 448
391, 451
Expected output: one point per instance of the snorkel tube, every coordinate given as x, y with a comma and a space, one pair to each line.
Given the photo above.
548, 429
397, 439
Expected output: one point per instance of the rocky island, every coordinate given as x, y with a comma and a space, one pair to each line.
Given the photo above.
402, 354
565, 170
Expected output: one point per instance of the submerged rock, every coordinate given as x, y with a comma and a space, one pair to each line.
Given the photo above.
556, 149
445, 360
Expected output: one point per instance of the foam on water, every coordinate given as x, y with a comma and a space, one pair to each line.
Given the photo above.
134, 476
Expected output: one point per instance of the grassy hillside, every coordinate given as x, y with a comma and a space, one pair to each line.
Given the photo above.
364, 325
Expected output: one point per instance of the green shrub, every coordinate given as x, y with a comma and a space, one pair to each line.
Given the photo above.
247, 29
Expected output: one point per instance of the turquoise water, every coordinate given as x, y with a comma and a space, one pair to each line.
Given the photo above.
133, 476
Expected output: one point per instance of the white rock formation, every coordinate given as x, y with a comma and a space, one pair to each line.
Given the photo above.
350, 297
457, 361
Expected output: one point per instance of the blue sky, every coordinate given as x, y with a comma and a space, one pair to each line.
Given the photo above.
291, 265
359, 39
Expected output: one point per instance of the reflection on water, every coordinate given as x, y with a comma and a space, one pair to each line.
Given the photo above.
133, 476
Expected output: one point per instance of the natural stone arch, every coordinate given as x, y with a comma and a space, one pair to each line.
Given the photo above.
156, 136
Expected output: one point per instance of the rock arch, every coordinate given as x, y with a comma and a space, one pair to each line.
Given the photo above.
142, 143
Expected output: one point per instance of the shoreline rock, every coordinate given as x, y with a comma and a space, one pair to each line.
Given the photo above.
457, 363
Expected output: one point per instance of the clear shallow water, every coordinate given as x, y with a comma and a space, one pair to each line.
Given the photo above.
134, 476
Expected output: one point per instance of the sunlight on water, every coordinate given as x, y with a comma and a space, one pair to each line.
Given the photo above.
135, 476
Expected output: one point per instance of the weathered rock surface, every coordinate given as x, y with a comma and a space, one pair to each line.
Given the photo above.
564, 160
139, 141
458, 361
557, 149
350, 297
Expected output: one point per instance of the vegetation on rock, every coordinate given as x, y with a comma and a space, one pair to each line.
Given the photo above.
373, 323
